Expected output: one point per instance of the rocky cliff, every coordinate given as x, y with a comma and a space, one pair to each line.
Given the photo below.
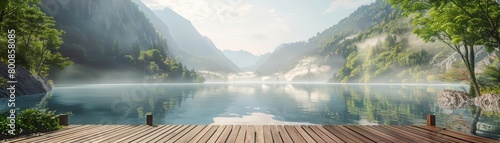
27, 83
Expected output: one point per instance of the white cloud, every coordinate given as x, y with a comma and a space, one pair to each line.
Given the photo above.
204, 10
346, 4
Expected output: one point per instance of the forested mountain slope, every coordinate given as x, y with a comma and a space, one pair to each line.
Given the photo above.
373, 44
104, 36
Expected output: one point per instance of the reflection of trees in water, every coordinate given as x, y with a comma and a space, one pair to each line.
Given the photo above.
317, 104
481, 119
348, 104
473, 120
393, 105
162, 101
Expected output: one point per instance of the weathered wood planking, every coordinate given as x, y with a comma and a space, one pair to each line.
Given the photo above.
251, 134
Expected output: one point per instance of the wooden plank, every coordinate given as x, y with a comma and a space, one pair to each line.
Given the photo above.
103, 136
84, 138
426, 134
276, 135
209, 134
381, 134
357, 135
455, 134
326, 135
195, 132
259, 134
306, 135
342, 135
65, 129
242, 134
125, 134
54, 134
202, 133
217, 134
131, 138
294, 134
250, 136
89, 130
438, 134
225, 135
234, 134
367, 134
404, 135
81, 134
164, 130
182, 134
268, 137
167, 137
317, 137
284, 134
423, 135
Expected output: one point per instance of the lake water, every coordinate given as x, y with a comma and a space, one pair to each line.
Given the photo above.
259, 104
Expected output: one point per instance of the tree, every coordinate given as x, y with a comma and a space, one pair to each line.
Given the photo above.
460, 24
136, 50
484, 14
37, 40
116, 50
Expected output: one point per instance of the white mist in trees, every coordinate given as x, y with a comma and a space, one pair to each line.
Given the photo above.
461, 24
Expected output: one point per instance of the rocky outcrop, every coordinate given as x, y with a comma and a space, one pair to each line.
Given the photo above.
452, 99
27, 83
488, 102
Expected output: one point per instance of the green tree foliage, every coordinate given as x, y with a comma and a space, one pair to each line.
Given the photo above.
461, 24
482, 15
163, 68
30, 121
382, 62
490, 78
116, 51
37, 41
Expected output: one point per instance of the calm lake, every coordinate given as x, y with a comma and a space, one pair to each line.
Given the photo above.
259, 103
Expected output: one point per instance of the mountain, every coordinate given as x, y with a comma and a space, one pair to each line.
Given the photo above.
241, 58
106, 36
340, 51
373, 44
162, 28
192, 48
286, 56
260, 60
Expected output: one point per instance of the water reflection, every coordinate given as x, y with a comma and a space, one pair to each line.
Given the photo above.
267, 104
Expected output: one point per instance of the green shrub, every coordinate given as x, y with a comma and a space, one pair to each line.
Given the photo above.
30, 121
490, 89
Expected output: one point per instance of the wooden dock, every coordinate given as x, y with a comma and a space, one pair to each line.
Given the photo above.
252, 134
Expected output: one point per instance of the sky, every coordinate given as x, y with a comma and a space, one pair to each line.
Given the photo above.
259, 26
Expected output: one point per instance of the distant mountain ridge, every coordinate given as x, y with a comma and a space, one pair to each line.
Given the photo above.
185, 43
193, 49
243, 59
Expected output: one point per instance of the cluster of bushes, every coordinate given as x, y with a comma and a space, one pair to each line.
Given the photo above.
29, 121
490, 78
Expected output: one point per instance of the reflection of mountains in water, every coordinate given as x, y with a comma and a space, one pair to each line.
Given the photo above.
201, 103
